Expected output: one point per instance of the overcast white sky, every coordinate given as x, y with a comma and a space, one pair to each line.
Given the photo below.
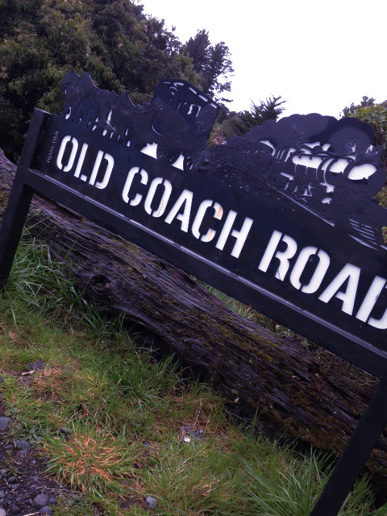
318, 56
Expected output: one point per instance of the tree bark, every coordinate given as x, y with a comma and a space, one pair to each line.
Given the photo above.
299, 391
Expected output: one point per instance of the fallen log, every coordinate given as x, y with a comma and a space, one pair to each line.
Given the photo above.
299, 391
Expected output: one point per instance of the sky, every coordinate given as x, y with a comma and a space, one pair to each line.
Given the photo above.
317, 56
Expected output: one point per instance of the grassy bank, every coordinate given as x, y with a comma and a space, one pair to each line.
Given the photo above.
129, 433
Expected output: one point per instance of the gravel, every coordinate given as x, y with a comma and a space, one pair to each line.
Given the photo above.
151, 502
25, 487
23, 481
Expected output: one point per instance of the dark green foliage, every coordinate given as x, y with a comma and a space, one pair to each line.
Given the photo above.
364, 103
212, 63
114, 41
241, 123
270, 109
376, 115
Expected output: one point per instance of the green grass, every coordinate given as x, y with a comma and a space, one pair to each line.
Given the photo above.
117, 425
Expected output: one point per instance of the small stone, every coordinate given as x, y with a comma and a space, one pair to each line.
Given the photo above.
65, 431
4, 422
52, 500
22, 445
15, 508
1, 379
45, 510
12, 480
2, 494
152, 502
38, 365
40, 501
2, 512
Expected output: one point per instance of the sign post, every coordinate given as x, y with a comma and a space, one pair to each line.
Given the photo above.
283, 219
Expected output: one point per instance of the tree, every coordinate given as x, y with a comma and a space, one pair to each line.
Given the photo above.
364, 103
114, 41
269, 109
212, 63
241, 123
376, 115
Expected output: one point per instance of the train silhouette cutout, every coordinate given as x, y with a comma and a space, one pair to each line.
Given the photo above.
325, 166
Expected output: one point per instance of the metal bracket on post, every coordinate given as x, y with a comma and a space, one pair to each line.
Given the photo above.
363, 440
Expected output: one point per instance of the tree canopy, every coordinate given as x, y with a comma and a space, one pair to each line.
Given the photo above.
375, 114
241, 123
212, 63
113, 40
119, 46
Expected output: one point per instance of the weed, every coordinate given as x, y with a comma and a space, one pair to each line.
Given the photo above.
93, 461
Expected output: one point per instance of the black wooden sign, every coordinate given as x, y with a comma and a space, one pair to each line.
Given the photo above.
283, 219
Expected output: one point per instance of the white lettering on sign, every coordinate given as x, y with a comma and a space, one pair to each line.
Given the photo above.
128, 184
165, 186
306, 269
203, 208
240, 235
68, 160
97, 166
349, 276
369, 302
282, 248
81, 159
319, 273
283, 256
181, 210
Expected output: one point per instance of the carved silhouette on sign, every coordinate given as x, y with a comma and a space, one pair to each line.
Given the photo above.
325, 166
178, 120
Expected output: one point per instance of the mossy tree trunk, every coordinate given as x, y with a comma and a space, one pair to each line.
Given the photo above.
299, 391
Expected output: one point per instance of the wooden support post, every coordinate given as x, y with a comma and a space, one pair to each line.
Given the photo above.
12, 228
19, 201
358, 449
